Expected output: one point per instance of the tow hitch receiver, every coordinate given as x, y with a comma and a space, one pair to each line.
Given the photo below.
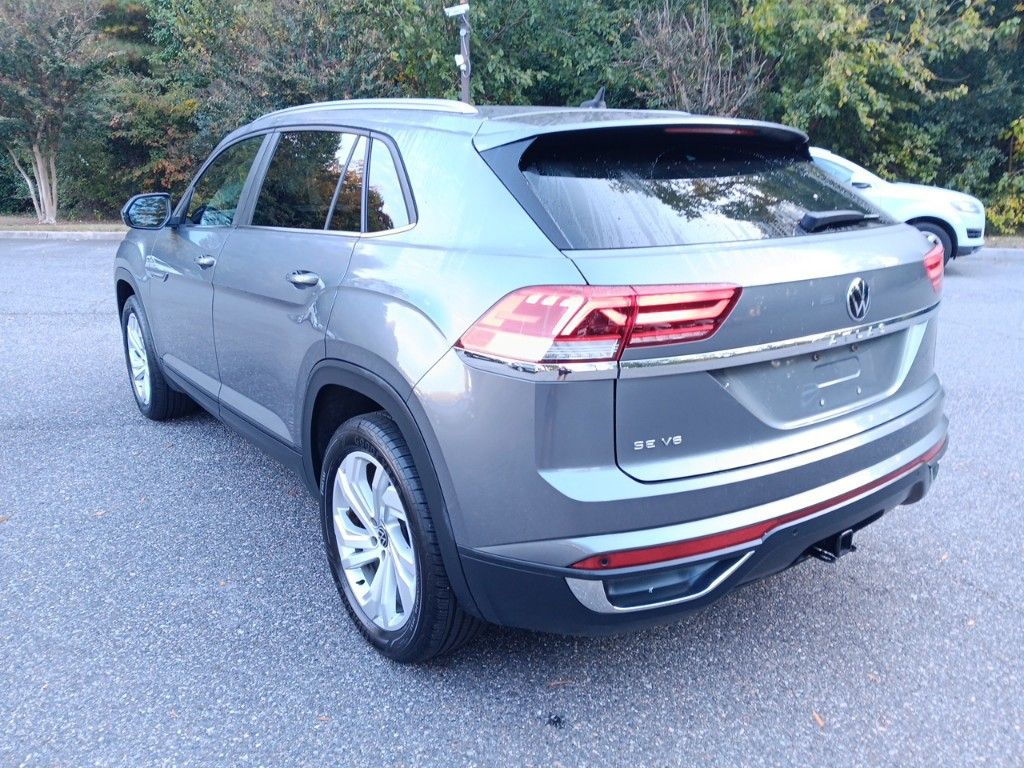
834, 547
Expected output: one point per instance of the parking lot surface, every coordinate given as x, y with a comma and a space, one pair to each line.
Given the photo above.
164, 599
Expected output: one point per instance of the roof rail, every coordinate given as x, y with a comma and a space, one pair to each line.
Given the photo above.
434, 105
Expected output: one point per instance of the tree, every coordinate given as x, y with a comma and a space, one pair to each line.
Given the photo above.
688, 61
241, 60
855, 74
50, 54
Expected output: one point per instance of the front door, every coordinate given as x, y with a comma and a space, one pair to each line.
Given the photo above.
184, 260
278, 276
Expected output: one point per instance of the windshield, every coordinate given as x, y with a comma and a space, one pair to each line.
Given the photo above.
607, 189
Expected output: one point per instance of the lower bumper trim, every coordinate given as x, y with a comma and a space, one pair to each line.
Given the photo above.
748, 535
592, 593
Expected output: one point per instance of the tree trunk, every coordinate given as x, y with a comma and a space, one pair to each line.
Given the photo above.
28, 183
46, 182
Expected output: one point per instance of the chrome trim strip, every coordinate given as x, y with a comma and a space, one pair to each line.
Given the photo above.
540, 371
591, 592
703, 361
659, 366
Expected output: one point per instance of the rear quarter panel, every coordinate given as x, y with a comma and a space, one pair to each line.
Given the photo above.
409, 295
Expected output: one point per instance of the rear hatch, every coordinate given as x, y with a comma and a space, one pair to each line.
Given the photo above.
830, 335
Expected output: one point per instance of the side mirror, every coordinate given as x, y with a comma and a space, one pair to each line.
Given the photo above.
148, 211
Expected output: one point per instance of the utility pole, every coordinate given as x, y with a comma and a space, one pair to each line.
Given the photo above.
462, 61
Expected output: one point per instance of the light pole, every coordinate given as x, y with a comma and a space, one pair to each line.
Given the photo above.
462, 61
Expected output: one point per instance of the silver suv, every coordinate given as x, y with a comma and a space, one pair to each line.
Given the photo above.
575, 370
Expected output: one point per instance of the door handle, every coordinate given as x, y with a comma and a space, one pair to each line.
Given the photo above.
205, 261
303, 279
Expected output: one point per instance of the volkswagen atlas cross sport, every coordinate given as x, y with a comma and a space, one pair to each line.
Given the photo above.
574, 370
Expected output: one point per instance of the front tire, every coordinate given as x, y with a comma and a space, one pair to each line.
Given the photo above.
382, 546
943, 237
154, 396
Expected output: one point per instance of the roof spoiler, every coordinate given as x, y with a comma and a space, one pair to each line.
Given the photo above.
510, 129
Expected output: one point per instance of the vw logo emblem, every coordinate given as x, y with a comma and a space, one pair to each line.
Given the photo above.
858, 299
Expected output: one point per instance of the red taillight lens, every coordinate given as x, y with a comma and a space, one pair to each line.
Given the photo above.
681, 313
570, 323
934, 263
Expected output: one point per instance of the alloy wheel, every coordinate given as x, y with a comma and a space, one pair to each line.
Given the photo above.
374, 541
138, 359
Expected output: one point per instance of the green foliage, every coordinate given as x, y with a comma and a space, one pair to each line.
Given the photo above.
13, 193
48, 57
922, 90
1007, 210
246, 59
845, 67
525, 52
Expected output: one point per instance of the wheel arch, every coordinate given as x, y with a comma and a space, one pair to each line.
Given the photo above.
124, 286
337, 391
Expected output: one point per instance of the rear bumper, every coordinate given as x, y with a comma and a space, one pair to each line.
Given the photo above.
546, 594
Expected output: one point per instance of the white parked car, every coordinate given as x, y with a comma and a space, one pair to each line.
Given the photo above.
956, 219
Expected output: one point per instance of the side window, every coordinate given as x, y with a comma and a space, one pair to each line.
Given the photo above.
834, 170
302, 178
216, 194
385, 201
348, 205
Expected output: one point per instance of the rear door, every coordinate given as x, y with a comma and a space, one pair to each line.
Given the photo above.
278, 276
829, 333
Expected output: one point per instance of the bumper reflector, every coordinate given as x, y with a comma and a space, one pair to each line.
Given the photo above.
749, 534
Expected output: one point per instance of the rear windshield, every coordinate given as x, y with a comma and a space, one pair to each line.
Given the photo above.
633, 189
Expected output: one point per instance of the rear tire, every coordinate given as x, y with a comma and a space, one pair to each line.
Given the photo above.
942, 235
156, 399
393, 580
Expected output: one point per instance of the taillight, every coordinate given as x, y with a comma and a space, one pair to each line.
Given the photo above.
934, 262
585, 323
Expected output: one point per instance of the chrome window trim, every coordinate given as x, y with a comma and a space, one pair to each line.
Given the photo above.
659, 366
385, 232
298, 230
592, 595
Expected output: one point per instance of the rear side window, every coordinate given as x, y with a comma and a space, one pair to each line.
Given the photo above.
348, 205
642, 187
215, 196
300, 183
836, 171
385, 200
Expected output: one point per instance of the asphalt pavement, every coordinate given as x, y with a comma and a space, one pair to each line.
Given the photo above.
164, 599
